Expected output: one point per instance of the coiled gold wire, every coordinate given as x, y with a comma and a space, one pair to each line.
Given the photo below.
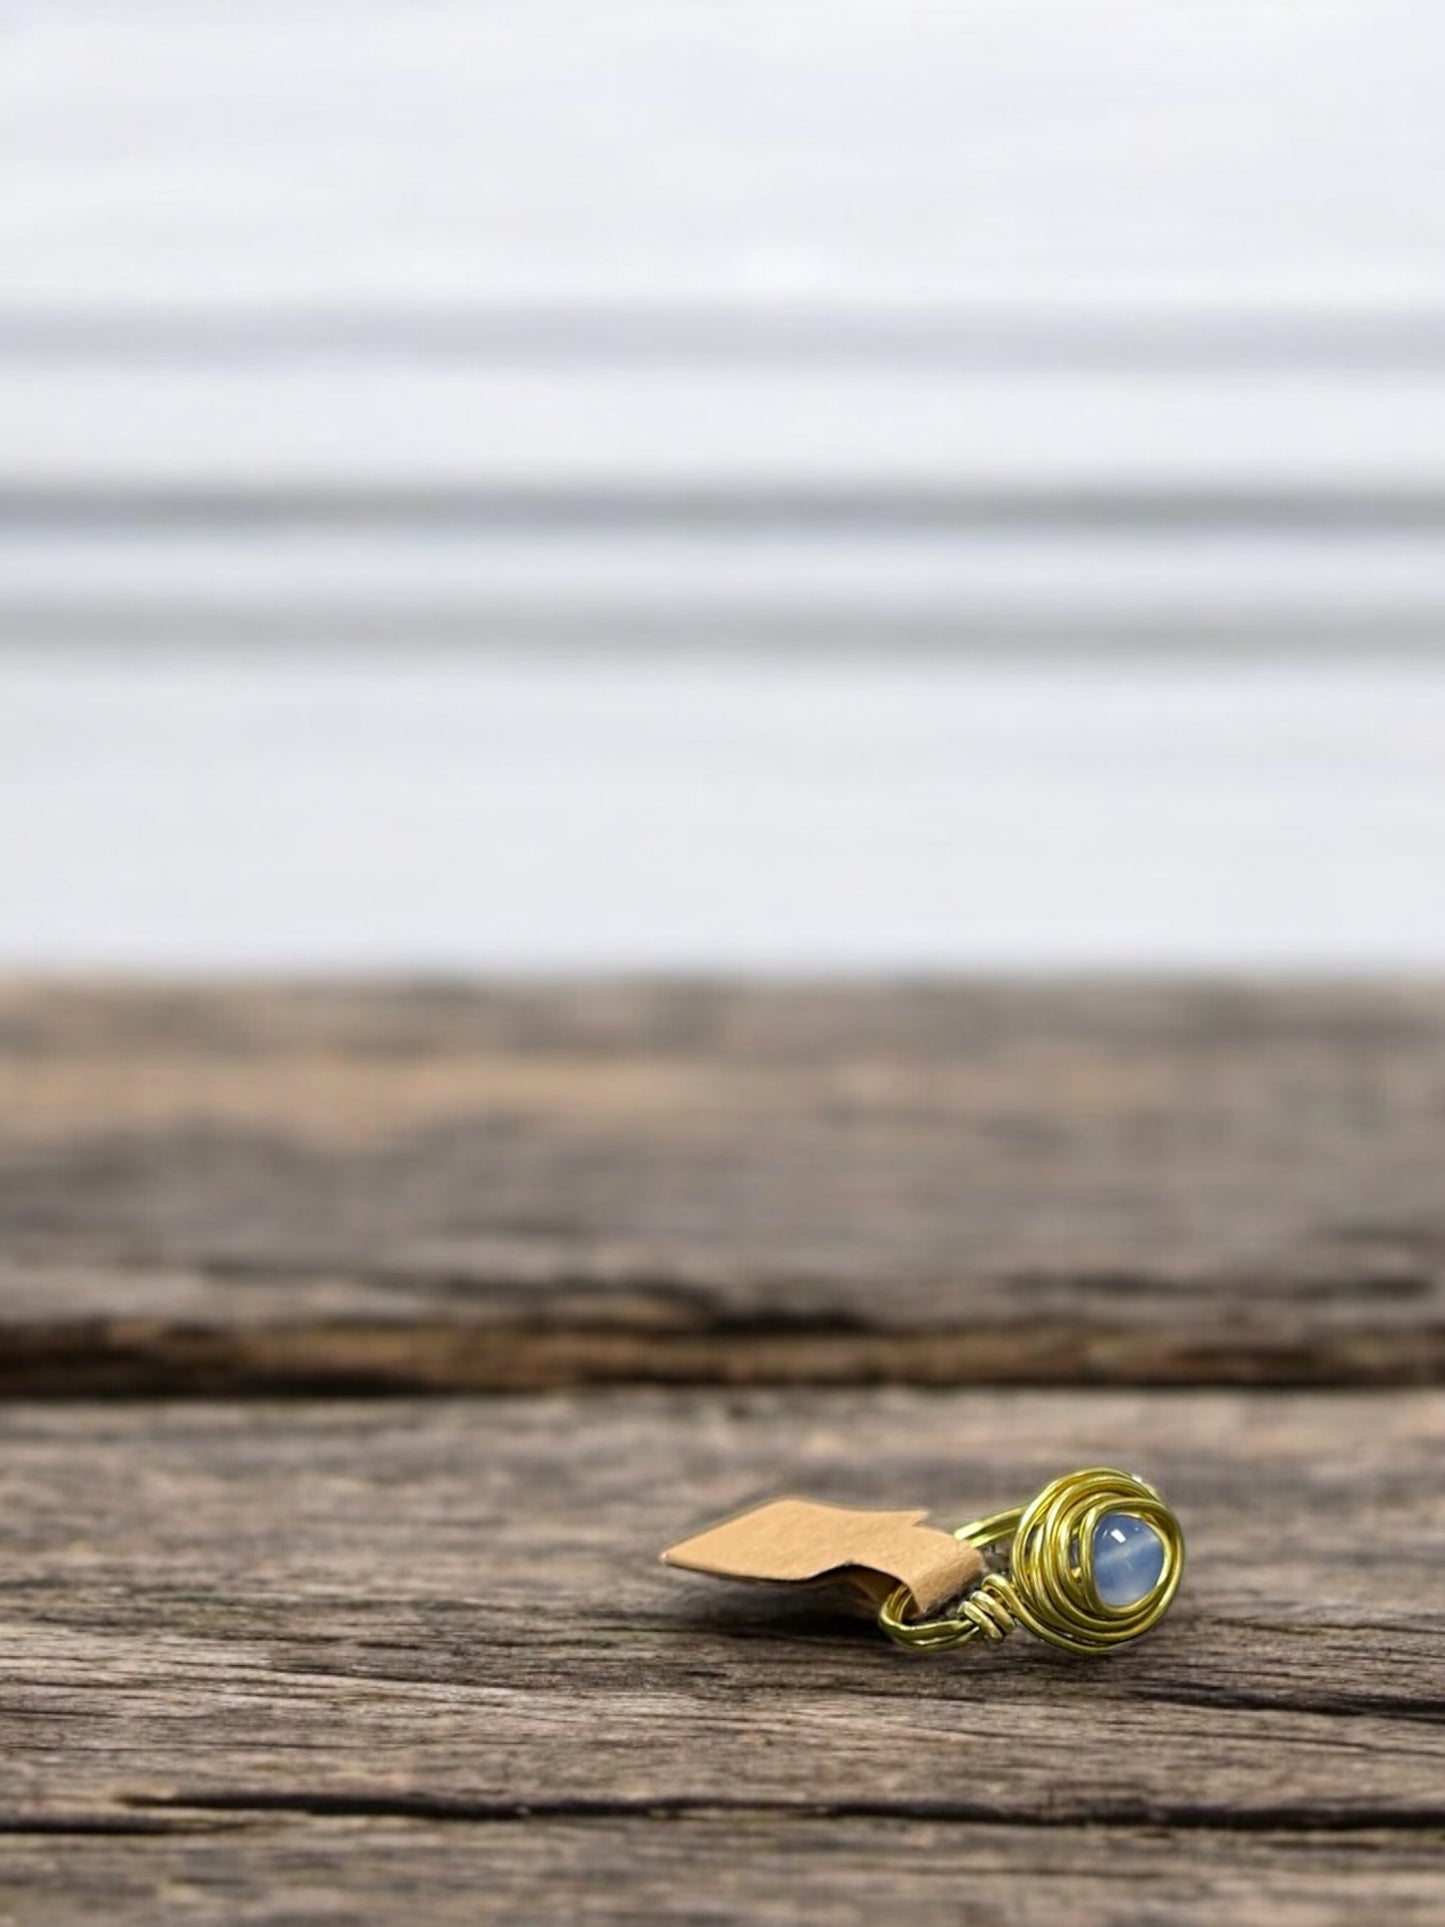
1048, 1585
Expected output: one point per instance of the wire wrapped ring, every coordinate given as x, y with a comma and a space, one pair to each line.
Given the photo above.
1047, 1580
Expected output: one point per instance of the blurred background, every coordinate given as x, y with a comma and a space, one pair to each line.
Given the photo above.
824, 488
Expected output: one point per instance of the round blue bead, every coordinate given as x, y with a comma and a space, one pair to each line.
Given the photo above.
1128, 1559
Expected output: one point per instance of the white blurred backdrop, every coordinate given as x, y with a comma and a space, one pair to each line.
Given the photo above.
804, 487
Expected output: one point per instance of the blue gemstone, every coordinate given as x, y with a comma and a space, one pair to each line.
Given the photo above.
1128, 1559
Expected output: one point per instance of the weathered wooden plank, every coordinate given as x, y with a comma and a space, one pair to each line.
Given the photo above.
437, 1609
376, 1190
737, 1865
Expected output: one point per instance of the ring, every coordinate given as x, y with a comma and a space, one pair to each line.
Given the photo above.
1092, 1562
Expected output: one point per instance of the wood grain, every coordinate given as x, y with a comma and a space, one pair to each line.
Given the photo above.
731, 1866
459, 1605
281, 1659
270, 1656
294, 1190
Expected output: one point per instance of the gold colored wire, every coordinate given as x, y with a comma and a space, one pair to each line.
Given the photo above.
1049, 1582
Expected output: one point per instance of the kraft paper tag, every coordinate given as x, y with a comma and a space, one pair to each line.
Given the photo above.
795, 1540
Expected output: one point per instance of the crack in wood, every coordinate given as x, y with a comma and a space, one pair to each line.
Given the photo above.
136, 1358
1285, 1817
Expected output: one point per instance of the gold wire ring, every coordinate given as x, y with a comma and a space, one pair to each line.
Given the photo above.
1048, 1582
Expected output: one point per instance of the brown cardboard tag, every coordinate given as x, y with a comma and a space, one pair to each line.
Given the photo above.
796, 1540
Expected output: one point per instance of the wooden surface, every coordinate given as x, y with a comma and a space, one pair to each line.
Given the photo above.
270, 1654
340, 1190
